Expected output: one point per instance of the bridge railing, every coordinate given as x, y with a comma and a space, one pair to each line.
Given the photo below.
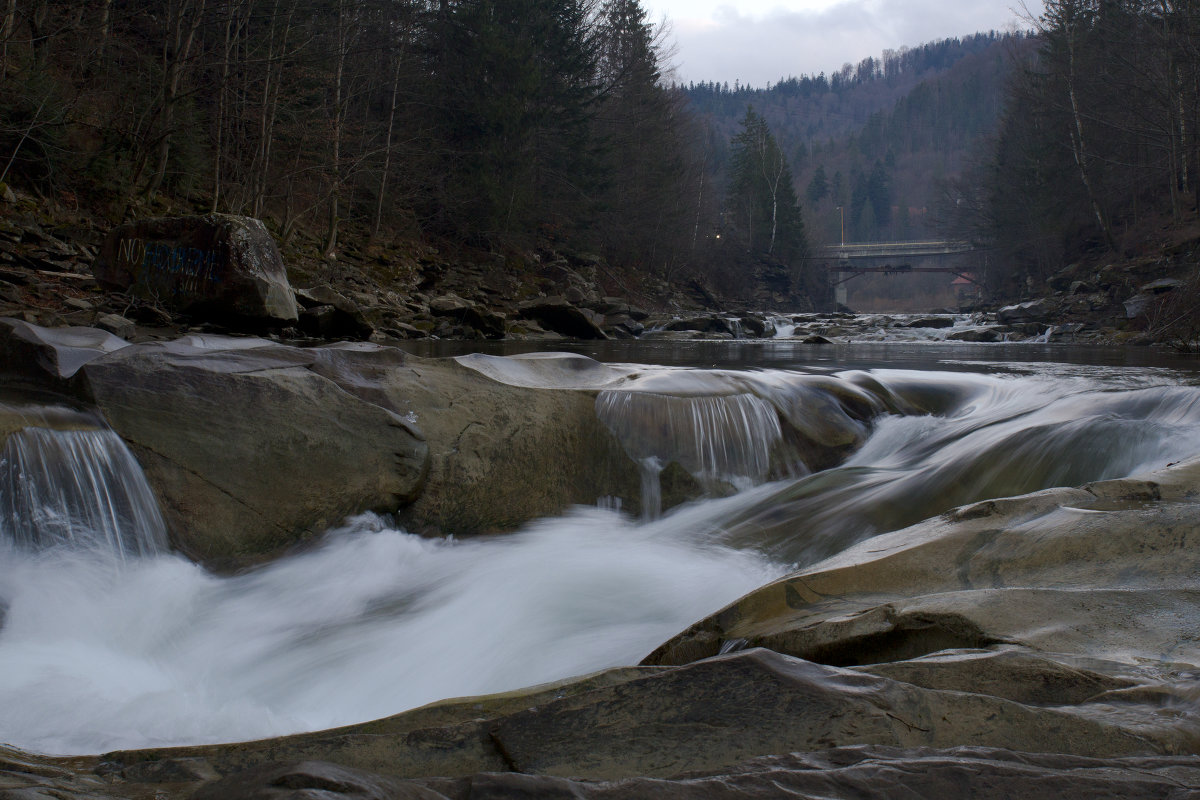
891, 249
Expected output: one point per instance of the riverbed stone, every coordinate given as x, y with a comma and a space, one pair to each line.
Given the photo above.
713, 717
930, 322
843, 773
978, 333
1045, 645
217, 265
1030, 311
253, 447
1065, 571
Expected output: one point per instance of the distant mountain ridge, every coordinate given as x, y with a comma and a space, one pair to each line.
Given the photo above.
875, 138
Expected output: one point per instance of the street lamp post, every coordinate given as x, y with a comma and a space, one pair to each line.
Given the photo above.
842, 215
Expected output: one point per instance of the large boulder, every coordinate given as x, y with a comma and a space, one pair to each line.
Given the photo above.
218, 264
1030, 311
252, 450
561, 316
504, 454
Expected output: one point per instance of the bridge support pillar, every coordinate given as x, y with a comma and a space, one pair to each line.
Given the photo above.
840, 293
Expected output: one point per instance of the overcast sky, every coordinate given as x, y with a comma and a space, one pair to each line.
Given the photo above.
761, 41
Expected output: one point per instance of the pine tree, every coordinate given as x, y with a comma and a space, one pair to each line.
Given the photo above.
638, 125
762, 197
818, 187
516, 85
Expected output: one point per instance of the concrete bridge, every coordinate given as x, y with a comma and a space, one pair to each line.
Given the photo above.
844, 254
852, 251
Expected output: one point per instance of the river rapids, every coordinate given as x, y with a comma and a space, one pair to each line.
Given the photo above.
109, 641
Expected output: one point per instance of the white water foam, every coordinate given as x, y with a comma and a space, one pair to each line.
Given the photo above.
97, 655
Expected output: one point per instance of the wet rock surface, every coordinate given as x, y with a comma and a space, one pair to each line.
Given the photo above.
1042, 645
847, 773
253, 446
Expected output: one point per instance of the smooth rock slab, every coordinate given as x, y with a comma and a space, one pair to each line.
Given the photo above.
1100, 583
251, 450
846, 773
32, 351
253, 447
841, 774
736, 715
218, 264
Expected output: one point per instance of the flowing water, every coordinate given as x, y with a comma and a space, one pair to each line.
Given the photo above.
107, 641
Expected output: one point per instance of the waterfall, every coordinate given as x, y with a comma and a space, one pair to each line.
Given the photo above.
723, 438
76, 488
785, 327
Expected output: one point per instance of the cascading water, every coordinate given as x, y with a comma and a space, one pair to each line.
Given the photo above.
76, 488
727, 438
119, 646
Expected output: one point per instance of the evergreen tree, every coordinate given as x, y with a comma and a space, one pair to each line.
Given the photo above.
516, 85
818, 187
762, 197
638, 127
879, 195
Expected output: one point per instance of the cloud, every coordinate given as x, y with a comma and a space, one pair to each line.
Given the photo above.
731, 44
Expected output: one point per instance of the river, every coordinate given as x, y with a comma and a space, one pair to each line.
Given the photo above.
108, 641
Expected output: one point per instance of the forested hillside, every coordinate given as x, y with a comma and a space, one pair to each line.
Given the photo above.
877, 138
489, 122
1098, 152
501, 125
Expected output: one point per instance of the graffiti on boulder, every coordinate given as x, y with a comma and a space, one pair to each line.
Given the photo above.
165, 267
217, 266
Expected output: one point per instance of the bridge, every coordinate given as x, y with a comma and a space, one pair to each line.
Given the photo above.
844, 254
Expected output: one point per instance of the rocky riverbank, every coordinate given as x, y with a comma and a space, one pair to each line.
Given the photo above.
412, 291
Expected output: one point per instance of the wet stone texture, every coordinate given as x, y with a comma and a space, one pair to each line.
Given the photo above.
1038, 646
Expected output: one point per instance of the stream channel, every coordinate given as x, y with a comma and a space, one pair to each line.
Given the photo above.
108, 640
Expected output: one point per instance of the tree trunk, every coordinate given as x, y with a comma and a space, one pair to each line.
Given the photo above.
337, 115
387, 146
103, 26
1078, 147
182, 35
7, 28
222, 93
